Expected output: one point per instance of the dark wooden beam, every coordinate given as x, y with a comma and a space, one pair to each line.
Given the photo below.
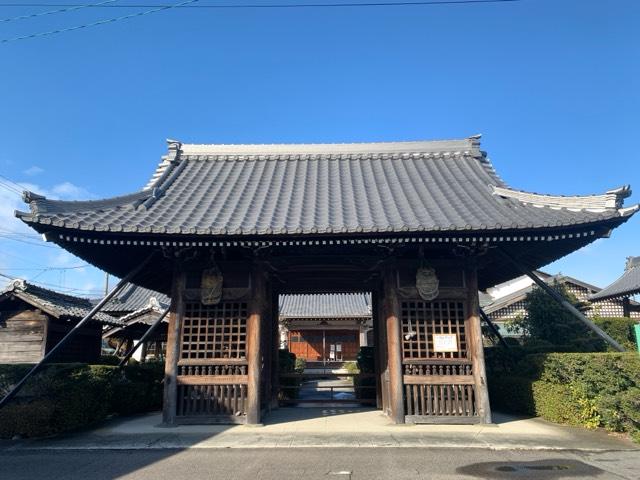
176, 314
476, 347
394, 345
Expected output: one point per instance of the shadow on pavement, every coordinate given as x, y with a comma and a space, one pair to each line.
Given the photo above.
547, 469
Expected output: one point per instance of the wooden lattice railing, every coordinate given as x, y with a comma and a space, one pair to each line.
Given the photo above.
437, 389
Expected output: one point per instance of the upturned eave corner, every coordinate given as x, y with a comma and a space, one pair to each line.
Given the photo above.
610, 200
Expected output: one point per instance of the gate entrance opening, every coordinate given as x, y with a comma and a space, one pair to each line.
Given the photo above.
330, 335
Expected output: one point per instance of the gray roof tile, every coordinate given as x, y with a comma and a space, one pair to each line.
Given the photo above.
333, 305
628, 284
133, 298
247, 190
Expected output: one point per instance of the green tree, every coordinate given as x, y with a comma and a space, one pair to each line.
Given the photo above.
548, 322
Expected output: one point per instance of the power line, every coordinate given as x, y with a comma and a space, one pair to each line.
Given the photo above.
11, 189
51, 12
6, 231
47, 268
59, 288
98, 23
269, 5
8, 237
16, 184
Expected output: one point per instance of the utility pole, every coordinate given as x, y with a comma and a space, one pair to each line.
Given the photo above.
106, 283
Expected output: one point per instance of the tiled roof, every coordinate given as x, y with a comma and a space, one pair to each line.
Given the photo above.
333, 189
628, 284
514, 297
133, 298
334, 305
55, 303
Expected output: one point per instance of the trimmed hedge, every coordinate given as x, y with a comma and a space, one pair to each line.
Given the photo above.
586, 389
65, 397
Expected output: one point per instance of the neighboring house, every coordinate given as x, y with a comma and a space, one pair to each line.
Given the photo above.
508, 300
33, 320
622, 289
137, 308
326, 327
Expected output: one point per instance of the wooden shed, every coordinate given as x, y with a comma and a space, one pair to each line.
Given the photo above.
34, 319
224, 230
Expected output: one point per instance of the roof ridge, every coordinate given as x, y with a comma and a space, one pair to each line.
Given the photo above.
611, 199
470, 144
28, 287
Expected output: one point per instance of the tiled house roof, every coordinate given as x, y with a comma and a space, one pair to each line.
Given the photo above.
628, 284
56, 304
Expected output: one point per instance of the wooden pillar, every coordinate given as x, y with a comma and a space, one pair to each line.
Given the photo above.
394, 346
626, 307
275, 359
379, 346
143, 352
476, 347
170, 398
254, 354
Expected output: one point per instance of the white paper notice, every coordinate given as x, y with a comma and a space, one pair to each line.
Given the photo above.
445, 342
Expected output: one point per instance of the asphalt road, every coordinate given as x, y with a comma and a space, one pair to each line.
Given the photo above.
315, 463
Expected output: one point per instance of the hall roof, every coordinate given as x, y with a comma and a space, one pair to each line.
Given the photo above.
325, 190
56, 304
331, 305
628, 284
133, 298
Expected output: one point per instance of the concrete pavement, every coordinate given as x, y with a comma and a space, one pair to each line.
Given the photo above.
316, 464
332, 428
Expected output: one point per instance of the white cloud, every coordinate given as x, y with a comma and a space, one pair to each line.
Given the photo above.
69, 191
33, 171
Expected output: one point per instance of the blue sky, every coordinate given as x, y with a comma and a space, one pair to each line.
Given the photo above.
551, 84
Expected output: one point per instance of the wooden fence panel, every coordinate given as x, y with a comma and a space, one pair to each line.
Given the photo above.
438, 386
212, 367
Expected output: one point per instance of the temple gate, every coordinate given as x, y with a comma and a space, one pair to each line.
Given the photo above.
225, 229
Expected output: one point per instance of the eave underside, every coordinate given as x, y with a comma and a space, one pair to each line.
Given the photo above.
118, 255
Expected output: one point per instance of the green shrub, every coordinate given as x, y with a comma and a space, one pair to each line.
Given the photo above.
366, 360
138, 388
300, 365
109, 360
512, 394
587, 389
65, 397
555, 403
620, 329
351, 367
366, 365
287, 363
